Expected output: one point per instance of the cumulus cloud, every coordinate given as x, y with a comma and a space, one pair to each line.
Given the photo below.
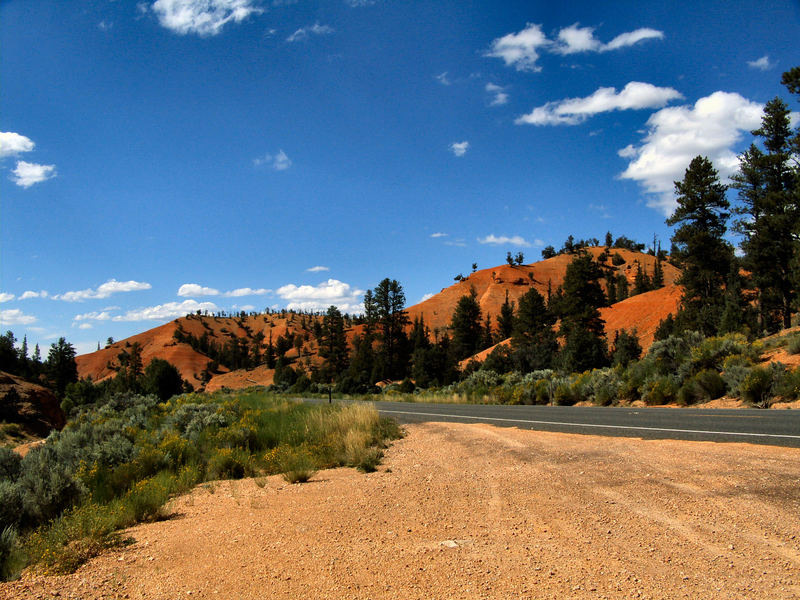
279, 161
762, 63
442, 78
93, 316
675, 135
573, 111
320, 297
504, 240
85, 326
188, 290
246, 291
303, 33
31, 294
317, 269
520, 49
163, 312
27, 174
14, 316
5, 297
203, 17
438, 234
459, 148
12, 144
499, 96
112, 286
426, 297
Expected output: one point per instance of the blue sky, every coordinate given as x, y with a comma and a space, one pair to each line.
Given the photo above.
159, 157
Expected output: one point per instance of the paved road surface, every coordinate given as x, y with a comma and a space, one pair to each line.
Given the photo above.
775, 427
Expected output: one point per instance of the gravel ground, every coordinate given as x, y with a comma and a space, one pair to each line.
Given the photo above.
473, 511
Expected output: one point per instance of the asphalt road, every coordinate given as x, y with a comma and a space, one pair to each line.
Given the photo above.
774, 427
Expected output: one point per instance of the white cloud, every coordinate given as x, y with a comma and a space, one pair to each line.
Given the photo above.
631, 38
426, 297
105, 25
438, 234
762, 63
26, 174
85, 326
193, 289
317, 269
31, 294
5, 297
93, 316
14, 316
500, 96
520, 49
442, 78
112, 286
244, 307
202, 17
279, 161
303, 33
675, 135
163, 312
320, 297
573, 111
246, 291
516, 240
12, 144
459, 148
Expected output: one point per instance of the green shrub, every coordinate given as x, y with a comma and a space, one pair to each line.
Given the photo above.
12, 559
9, 464
10, 505
704, 386
297, 465
757, 387
793, 347
661, 390
734, 371
789, 385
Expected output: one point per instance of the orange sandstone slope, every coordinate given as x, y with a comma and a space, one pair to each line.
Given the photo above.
492, 284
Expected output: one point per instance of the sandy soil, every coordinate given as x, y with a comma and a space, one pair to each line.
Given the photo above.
473, 511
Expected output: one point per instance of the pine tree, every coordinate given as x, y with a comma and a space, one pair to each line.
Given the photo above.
465, 326
699, 247
505, 320
769, 191
61, 367
333, 345
534, 341
388, 305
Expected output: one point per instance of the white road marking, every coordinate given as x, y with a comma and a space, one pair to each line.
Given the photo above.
627, 427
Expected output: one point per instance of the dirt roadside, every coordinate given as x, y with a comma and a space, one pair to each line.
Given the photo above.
474, 511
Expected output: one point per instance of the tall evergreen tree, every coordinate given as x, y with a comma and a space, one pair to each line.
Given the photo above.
333, 345
585, 345
505, 320
61, 367
466, 327
389, 311
534, 341
699, 247
769, 192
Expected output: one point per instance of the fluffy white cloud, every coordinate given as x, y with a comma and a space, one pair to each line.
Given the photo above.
14, 316
279, 161
573, 111
163, 312
631, 38
438, 234
5, 297
12, 144
303, 33
112, 286
459, 148
246, 291
500, 97
520, 49
675, 135
26, 174
320, 297
317, 269
93, 316
502, 240
31, 294
426, 297
762, 63
85, 326
202, 17
188, 290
